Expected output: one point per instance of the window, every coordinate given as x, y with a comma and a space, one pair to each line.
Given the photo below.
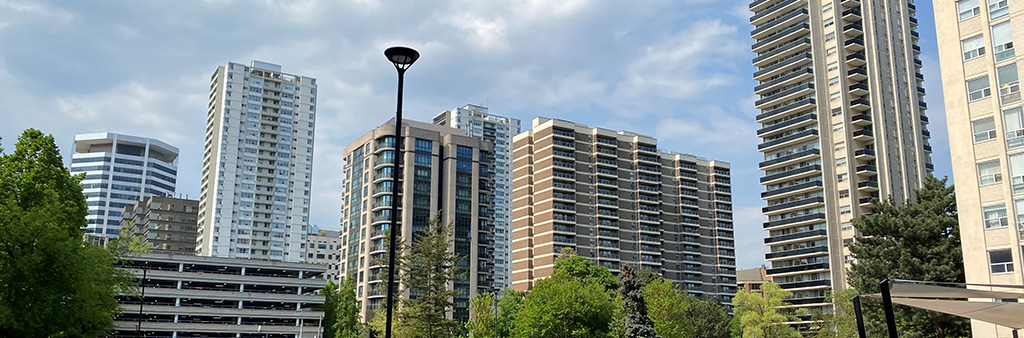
843, 177
845, 210
845, 193
1019, 205
833, 66
995, 216
847, 226
1014, 127
424, 145
988, 173
997, 9
1002, 41
835, 97
836, 127
830, 36
1017, 172
833, 81
841, 146
826, 7
968, 9
984, 129
841, 162
837, 111
830, 51
978, 89
1009, 87
829, 22
1000, 261
973, 47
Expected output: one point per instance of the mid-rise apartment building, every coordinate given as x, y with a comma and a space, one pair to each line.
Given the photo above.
751, 280
443, 171
257, 162
324, 247
843, 122
980, 80
168, 224
197, 296
120, 170
616, 199
477, 122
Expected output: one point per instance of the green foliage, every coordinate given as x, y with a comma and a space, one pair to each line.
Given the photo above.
330, 308
573, 265
347, 323
761, 316
578, 300
667, 306
482, 321
708, 318
509, 305
52, 283
637, 323
842, 322
919, 240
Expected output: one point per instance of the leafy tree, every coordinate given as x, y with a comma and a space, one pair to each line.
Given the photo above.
760, 316
482, 320
52, 283
509, 305
330, 308
347, 323
668, 308
637, 323
842, 322
919, 240
708, 318
577, 301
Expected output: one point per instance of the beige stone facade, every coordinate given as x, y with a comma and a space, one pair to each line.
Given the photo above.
324, 247
986, 136
167, 224
616, 199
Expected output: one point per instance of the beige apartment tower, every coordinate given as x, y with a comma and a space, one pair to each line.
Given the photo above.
843, 122
986, 137
167, 224
442, 170
324, 247
616, 199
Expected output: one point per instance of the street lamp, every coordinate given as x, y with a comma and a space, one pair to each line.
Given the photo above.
402, 58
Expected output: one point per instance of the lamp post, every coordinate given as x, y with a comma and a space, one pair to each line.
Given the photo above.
402, 58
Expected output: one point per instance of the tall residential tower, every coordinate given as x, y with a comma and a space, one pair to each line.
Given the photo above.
842, 122
980, 80
121, 170
616, 199
477, 122
254, 201
443, 170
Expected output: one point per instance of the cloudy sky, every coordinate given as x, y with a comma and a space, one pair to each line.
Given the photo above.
675, 69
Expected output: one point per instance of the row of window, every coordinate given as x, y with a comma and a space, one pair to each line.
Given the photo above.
967, 9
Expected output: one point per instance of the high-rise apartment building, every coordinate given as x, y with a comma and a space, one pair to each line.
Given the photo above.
443, 171
615, 199
477, 122
254, 200
324, 247
121, 170
980, 80
168, 224
842, 122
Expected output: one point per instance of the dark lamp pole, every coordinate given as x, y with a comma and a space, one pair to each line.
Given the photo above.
402, 58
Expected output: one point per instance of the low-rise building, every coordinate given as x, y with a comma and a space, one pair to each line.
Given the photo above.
167, 224
324, 247
751, 280
198, 296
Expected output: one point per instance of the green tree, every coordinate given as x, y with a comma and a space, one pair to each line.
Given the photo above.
668, 308
330, 308
919, 240
578, 300
637, 324
761, 316
842, 322
482, 319
509, 305
708, 318
52, 283
347, 321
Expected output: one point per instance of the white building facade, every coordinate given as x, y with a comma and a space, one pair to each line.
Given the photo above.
257, 164
478, 123
121, 170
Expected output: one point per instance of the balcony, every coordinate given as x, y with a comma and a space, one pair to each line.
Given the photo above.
863, 135
782, 65
860, 104
929, 166
863, 119
796, 252
780, 161
857, 74
790, 78
859, 89
781, 52
763, 44
922, 104
927, 147
794, 221
762, 16
850, 3
795, 107
853, 29
867, 186
808, 284
867, 169
864, 154
798, 268
854, 45
789, 206
810, 170
802, 120
926, 133
924, 119
791, 190
785, 95
866, 201
803, 235
782, 21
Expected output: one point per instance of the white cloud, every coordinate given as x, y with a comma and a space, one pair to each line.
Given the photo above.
749, 232
712, 127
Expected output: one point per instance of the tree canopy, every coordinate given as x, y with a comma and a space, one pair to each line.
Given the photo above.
763, 315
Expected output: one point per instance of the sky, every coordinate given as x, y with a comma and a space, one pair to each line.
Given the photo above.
678, 70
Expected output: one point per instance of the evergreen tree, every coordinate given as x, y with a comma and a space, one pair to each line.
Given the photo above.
919, 240
708, 318
52, 283
482, 320
762, 316
330, 308
637, 323
347, 323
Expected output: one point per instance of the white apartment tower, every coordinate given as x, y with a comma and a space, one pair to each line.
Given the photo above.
121, 170
842, 117
477, 122
257, 163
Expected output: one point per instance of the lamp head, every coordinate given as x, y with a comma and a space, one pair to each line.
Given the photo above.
401, 57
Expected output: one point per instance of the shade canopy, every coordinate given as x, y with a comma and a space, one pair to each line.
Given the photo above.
972, 303
402, 57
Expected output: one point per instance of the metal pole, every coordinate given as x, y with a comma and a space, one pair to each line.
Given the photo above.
142, 300
860, 317
890, 318
496, 309
1014, 333
394, 204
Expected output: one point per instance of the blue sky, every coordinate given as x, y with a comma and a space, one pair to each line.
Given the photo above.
678, 70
